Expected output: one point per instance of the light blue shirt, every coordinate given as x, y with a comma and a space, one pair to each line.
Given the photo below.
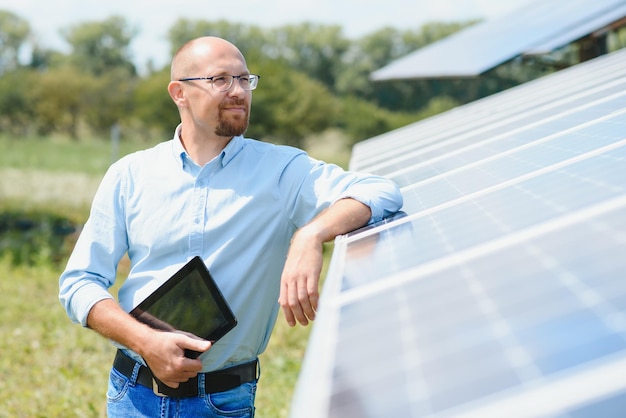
238, 213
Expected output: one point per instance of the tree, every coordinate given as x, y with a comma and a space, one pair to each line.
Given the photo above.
378, 49
14, 32
16, 104
287, 106
315, 50
59, 96
153, 107
251, 40
360, 119
109, 100
98, 47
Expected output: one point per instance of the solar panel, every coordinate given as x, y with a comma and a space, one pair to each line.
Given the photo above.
579, 31
539, 25
502, 292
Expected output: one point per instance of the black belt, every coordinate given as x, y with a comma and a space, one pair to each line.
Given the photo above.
217, 381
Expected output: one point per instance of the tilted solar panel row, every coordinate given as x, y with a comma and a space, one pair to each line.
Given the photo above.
537, 27
502, 292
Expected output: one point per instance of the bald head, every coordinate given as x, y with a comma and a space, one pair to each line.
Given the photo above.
193, 57
204, 110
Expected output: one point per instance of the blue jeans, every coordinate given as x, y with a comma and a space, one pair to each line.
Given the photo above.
128, 399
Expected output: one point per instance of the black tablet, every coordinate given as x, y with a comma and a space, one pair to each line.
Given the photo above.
189, 301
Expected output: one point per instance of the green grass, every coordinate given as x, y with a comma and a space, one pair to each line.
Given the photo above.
50, 367
53, 368
61, 155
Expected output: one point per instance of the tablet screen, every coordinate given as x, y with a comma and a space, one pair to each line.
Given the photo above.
189, 301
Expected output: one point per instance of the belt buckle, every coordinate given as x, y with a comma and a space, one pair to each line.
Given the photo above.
156, 390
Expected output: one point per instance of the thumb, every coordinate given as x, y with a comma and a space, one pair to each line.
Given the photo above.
192, 342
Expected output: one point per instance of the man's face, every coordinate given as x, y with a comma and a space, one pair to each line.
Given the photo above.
225, 113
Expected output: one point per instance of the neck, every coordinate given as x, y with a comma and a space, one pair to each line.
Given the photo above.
202, 147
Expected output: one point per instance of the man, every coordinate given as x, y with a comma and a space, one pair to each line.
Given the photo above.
256, 213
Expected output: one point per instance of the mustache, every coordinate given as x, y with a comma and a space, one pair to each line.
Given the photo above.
230, 103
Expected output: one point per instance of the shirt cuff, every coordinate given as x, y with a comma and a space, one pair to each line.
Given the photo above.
84, 299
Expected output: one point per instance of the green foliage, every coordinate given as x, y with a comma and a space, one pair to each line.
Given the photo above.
13, 33
438, 105
33, 238
16, 101
99, 47
59, 95
109, 101
378, 49
312, 49
279, 114
313, 79
153, 106
249, 39
361, 120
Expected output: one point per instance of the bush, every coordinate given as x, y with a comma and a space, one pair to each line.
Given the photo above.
34, 238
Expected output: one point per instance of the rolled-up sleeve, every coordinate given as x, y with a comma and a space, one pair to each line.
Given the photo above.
381, 195
92, 267
308, 186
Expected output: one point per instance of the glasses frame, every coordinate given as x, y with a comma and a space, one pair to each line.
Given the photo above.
232, 81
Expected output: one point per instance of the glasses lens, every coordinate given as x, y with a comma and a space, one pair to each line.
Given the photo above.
225, 82
251, 82
222, 83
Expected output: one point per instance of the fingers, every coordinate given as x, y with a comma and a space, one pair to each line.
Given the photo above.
300, 278
176, 379
299, 301
167, 361
195, 343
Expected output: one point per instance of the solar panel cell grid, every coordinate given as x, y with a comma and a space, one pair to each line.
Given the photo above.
502, 292
493, 322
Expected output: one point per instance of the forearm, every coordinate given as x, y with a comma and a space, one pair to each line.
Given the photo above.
342, 217
162, 351
111, 321
299, 292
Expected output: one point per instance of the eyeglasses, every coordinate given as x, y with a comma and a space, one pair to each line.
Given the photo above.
225, 82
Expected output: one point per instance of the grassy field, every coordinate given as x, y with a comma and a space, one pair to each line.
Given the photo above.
50, 367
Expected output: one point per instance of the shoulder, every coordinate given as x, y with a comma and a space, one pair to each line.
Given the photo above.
141, 164
264, 153
254, 145
149, 156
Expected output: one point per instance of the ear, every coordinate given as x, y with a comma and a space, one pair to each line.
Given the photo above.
175, 89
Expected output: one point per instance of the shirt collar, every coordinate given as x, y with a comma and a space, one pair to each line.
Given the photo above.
228, 153
234, 146
178, 149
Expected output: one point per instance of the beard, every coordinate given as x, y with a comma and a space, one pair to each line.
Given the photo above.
233, 126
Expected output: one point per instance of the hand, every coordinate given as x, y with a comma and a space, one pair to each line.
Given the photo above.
299, 292
166, 356
163, 351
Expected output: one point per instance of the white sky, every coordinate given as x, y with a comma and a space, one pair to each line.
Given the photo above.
153, 18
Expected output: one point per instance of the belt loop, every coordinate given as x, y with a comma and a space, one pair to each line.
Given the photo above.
258, 369
135, 374
201, 386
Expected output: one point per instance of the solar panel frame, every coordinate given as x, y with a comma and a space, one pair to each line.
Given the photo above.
597, 25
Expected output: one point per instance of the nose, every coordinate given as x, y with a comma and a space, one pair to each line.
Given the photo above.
236, 89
